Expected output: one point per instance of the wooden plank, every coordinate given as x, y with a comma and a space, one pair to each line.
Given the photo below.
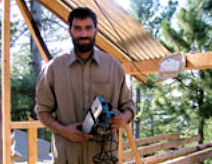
174, 154
57, 7
120, 146
132, 145
153, 139
146, 67
193, 61
199, 60
29, 21
6, 83
162, 146
32, 145
196, 157
1, 134
26, 125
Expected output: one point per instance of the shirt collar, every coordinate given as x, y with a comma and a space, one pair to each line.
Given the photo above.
73, 57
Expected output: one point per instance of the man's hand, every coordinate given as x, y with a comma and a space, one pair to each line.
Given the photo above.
120, 120
74, 134
70, 131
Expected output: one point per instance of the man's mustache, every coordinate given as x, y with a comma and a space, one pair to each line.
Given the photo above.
84, 38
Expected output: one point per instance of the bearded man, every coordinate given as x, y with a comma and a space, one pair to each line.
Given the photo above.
68, 85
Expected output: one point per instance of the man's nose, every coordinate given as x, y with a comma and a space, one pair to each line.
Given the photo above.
83, 33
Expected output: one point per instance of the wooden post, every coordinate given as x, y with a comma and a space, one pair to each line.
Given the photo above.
120, 146
6, 86
132, 145
32, 145
33, 30
1, 143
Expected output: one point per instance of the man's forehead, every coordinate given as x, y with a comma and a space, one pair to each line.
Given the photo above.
86, 20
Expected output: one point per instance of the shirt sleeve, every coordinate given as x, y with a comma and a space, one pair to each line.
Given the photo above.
125, 98
45, 97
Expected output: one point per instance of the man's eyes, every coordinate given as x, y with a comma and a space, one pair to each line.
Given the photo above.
88, 27
77, 28
80, 28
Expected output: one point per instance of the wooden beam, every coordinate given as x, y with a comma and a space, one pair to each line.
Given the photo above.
193, 61
174, 154
196, 157
162, 146
120, 150
33, 30
57, 7
132, 145
26, 125
32, 145
1, 134
6, 83
199, 60
163, 137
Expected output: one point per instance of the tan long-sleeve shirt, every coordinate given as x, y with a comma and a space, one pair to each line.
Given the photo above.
68, 86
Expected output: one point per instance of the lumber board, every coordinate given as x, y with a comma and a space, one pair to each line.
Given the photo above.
132, 145
26, 125
6, 82
174, 154
120, 149
32, 145
34, 32
162, 146
1, 134
143, 141
193, 158
193, 61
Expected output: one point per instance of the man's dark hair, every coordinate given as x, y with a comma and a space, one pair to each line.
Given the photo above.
82, 13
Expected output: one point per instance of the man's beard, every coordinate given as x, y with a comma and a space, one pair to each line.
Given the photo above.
82, 48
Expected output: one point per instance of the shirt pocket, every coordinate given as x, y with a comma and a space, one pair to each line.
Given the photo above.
101, 89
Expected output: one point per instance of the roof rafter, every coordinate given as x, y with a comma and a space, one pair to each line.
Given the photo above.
193, 61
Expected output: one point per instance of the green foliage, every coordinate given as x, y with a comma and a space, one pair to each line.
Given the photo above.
180, 104
151, 13
23, 83
192, 31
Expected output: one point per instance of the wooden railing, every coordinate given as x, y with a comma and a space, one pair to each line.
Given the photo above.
33, 126
32, 129
146, 147
165, 148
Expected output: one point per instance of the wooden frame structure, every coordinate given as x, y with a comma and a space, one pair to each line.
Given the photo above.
140, 56
164, 149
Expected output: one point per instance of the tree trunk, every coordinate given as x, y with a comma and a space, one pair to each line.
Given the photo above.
137, 123
201, 130
36, 56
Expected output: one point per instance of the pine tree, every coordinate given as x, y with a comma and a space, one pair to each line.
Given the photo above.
193, 34
183, 103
